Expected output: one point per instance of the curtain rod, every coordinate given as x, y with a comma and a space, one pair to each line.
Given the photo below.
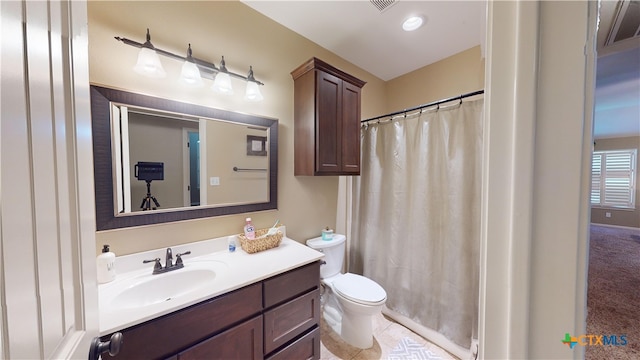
434, 103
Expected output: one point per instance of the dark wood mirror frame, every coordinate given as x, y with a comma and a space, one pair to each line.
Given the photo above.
101, 98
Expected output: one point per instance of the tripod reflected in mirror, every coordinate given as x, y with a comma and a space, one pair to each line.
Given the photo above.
149, 171
146, 201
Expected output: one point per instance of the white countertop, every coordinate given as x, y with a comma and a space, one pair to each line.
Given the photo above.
233, 271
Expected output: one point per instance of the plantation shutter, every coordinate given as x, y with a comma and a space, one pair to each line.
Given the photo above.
596, 174
613, 178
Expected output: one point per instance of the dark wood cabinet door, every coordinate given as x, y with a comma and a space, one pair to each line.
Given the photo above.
240, 342
285, 322
305, 348
338, 126
328, 123
293, 283
350, 147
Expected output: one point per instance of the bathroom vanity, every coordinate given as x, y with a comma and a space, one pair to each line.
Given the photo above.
258, 306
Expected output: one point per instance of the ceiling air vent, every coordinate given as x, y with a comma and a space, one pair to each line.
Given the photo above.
382, 5
626, 24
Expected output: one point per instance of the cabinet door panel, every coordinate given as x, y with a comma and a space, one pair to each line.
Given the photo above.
305, 348
285, 322
241, 342
328, 118
350, 148
290, 284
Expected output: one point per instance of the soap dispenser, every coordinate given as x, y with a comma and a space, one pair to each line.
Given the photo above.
106, 265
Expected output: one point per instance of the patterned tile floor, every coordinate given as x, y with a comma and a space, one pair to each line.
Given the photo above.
387, 335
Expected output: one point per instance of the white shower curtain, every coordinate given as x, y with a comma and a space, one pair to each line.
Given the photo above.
415, 225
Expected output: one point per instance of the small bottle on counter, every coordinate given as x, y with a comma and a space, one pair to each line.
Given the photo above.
249, 230
106, 265
232, 243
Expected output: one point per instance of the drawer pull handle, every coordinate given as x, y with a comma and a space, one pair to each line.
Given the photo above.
112, 346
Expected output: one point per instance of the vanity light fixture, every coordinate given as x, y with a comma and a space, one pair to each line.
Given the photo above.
412, 23
193, 69
148, 61
253, 90
222, 82
190, 73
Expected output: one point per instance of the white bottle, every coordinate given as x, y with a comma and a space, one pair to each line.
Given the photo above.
249, 230
106, 265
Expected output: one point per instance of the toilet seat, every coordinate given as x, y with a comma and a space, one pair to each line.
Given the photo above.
359, 289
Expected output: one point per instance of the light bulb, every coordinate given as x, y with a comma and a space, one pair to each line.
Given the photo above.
253, 92
149, 64
222, 84
191, 74
412, 23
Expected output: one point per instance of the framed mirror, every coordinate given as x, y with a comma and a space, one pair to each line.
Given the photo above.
159, 160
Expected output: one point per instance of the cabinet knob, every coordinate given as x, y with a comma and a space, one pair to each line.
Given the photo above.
112, 346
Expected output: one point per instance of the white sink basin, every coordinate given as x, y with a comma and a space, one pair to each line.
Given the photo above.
145, 289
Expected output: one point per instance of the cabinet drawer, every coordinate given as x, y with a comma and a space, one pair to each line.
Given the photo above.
168, 334
287, 321
240, 342
290, 284
305, 348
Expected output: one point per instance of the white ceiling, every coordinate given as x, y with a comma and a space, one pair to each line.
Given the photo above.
360, 33
373, 40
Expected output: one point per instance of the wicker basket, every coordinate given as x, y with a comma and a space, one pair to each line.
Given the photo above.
260, 243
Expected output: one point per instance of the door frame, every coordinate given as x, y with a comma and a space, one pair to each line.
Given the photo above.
48, 253
534, 237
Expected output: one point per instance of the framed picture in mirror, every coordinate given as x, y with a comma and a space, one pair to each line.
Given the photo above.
256, 145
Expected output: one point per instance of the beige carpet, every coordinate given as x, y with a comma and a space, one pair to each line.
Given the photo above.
613, 298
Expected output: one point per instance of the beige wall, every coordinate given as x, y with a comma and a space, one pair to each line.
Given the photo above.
157, 141
245, 37
619, 217
455, 75
228, 142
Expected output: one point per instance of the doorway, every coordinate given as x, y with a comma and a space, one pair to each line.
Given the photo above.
613, 269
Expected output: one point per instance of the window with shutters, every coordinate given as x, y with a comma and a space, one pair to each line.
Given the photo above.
613, 178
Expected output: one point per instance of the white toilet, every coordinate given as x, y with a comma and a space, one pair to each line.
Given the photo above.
350, 300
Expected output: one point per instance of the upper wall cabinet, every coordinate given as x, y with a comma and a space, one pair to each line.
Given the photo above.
327, 120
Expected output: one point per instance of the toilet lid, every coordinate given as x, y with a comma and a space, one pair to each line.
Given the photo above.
359, 289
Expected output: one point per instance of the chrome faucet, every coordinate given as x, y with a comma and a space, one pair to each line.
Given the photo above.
168, 265
169, 258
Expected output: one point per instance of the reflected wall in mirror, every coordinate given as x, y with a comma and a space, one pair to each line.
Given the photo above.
158, 160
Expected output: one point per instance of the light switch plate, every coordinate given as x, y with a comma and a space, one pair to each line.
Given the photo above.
213, 181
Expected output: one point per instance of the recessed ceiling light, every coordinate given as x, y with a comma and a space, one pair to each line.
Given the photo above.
412, 23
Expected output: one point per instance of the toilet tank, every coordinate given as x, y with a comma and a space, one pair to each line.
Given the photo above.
333, 254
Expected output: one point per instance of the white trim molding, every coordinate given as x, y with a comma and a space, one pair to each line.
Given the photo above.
539, 75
